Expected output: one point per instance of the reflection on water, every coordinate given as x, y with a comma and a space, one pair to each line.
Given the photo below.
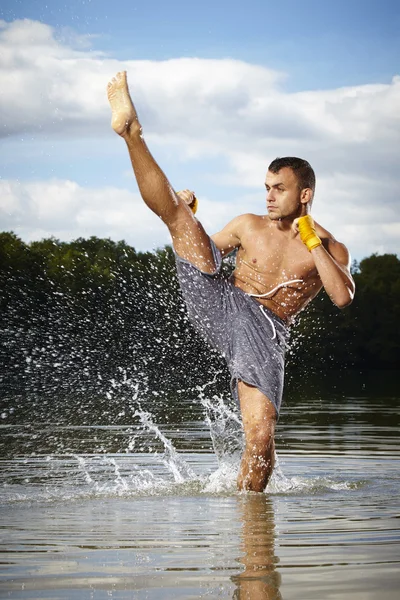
145, 508
259, 580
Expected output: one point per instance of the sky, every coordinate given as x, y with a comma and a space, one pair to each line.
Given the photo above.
222, 88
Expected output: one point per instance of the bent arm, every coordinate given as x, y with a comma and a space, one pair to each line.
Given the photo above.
228, 238
333, 266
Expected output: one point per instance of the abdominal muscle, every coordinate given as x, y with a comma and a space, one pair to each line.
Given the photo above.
287, 300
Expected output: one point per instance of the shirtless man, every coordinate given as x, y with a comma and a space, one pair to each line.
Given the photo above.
283, 261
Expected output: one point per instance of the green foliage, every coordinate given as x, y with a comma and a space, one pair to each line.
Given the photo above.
76, 315
364, 334
376, 311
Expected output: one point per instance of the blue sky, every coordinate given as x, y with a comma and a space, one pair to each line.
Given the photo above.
222, 88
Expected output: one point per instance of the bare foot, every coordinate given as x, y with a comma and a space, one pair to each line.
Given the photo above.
123, 111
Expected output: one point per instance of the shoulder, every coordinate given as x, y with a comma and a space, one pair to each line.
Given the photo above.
249, 220
246, 218
242, 222
232, 235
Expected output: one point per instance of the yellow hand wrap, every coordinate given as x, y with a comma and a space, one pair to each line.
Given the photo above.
307, 232
194, 205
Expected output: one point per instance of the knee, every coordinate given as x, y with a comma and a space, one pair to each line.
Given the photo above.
260, 437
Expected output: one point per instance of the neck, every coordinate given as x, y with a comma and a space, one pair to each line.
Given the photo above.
285, 223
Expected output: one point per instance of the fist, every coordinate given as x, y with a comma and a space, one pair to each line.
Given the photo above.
295, 226
189, 198
306, 227
306, 221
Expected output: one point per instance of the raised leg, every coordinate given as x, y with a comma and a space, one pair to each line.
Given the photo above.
188, 236
259, 419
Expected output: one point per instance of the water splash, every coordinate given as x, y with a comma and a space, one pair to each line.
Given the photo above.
226, 433
147, 461
226, 428
174, 462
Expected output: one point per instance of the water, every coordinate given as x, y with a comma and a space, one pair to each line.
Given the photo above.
146, 509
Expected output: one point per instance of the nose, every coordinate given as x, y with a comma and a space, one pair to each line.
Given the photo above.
270, 195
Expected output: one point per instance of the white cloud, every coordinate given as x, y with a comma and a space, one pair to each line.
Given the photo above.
199, 109
362, 212
66, 210
47, 85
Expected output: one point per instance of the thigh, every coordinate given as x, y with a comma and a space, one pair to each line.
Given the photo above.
205, 299
257, 358
206, 296
191, 242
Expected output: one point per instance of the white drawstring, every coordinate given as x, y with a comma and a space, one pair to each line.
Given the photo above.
275, 289
270, 293
270, 320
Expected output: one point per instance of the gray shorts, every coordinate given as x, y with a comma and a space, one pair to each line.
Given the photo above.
251, 338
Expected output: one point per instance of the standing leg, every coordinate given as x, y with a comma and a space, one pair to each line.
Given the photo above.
259, 419
188, 236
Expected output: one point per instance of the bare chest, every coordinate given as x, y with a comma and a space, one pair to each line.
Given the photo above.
277, 269
270, 257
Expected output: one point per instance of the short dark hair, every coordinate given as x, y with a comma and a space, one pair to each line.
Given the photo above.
301, 168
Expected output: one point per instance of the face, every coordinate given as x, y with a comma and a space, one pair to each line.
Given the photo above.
284, 197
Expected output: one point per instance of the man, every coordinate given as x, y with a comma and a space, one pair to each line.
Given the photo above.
283, 261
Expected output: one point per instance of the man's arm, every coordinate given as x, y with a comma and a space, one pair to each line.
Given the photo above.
228, 238
332, 261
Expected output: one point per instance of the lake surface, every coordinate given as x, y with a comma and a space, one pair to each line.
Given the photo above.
147, 508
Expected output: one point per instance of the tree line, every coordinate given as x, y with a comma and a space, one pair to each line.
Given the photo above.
94, 314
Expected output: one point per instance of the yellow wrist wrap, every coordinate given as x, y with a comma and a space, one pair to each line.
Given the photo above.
194, 205
307, 232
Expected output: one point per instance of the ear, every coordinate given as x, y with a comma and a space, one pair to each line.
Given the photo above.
306, 195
